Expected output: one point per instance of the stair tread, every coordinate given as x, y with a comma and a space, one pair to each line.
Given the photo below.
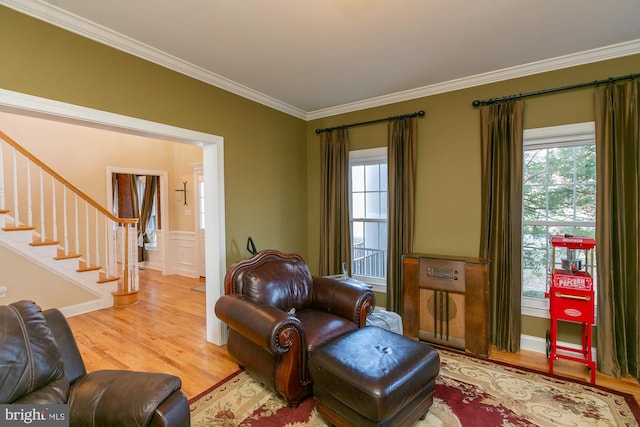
88, 268
18, 228
39, 242
68, 256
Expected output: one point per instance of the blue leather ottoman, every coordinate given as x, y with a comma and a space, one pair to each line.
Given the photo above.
373, 377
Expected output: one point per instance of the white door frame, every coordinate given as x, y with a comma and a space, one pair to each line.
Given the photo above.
213, 164
164, 204
199, 237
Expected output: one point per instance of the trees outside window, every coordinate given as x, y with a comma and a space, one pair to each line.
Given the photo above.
559, 197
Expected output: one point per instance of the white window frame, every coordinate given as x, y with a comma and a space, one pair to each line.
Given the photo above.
556, 136
370, 154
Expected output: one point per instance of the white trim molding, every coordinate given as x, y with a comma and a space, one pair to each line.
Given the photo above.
83, 27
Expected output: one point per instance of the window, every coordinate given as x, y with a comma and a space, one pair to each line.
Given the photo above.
201, 214
559, 197
368, 191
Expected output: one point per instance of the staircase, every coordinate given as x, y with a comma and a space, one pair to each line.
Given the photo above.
50, 221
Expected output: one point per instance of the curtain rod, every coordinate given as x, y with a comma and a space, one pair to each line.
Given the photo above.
404, 116
478, 103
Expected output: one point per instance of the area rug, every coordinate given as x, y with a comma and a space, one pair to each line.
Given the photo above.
469, 392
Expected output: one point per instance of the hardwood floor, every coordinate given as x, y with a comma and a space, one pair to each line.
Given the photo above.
166, 332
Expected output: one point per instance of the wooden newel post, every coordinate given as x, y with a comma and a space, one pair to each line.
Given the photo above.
127, 293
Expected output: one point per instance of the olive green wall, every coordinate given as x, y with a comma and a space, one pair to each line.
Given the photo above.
448, 175
272, 160
265, 169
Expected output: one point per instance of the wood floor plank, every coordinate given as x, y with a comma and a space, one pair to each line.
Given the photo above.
166, 332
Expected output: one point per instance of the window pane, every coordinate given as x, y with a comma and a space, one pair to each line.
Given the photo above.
535, 166
585, 202
372, 175
372, 205
535, 253
383, 205
561, 203
357, 205
383, 236
561, 165
371, 240
357, 178
383, 177
585, 163
358, 233
534, 206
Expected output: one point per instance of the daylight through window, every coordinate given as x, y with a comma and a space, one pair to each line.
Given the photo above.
559, 197
368, 188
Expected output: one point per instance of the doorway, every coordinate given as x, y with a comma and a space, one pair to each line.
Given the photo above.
157, 253
213, 172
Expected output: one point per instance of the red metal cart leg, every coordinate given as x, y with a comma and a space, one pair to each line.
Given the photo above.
553, 336
591, 364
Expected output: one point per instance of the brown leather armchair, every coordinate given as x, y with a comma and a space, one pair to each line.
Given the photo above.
277, 313
40, 364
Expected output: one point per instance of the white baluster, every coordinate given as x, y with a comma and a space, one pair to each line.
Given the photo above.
16, 211
29, 206
108, 254
2, 195
77, 239
54, 210
86, 234
64, 222
43, 235
133, 264
97, 238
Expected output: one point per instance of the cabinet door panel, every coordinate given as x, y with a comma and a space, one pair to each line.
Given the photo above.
442, 317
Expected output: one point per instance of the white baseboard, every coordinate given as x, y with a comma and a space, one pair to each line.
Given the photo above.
539, 345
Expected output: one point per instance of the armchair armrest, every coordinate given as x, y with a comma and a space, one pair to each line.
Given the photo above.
343, 298
262, 324
126, 398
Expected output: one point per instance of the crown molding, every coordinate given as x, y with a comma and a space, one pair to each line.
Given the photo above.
58, 17
594, 55
85, 28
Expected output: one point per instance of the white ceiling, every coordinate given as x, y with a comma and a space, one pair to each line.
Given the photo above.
314, 58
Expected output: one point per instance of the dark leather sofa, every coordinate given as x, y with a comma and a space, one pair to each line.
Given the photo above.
277, 314
40, 364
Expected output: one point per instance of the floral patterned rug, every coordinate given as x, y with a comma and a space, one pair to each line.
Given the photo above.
469, 392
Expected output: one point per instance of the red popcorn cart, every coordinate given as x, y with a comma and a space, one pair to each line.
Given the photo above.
572, 298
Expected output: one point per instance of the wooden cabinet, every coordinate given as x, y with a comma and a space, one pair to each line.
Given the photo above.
445, 301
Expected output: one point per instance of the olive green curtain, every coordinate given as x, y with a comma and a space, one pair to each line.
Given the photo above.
335, 235
501, 218
401, 158
618, 228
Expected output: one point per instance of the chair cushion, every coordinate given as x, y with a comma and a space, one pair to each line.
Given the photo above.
286, 284
31, 368
320, 327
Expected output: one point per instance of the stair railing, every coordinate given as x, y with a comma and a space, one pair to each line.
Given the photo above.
97, 238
